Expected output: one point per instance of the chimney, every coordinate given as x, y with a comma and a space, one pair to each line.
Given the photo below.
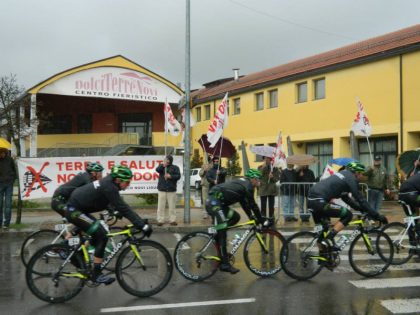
236, 73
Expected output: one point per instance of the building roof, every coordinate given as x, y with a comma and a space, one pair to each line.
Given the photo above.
377, 47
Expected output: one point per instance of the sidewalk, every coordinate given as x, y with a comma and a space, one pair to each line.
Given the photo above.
45, 218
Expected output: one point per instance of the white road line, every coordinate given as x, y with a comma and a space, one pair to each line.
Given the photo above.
402, 306
387, 283
175, 305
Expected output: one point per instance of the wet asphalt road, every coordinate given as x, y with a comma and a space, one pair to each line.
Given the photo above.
327, 293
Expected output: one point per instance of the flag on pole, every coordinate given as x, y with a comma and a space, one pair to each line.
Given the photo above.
218, 123
328, 171
279, 157
361, 125
171, 124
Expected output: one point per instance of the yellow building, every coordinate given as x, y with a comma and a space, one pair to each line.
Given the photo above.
313, 100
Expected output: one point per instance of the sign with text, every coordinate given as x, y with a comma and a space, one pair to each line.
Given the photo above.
40, 177
115, 83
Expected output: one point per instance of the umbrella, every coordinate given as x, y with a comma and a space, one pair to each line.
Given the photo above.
228, 149
263, 150
301, 159
4, 144
405, 161
341, 161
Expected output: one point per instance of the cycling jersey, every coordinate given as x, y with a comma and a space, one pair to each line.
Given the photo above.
66, 189
97, 195
339, 185
412, 184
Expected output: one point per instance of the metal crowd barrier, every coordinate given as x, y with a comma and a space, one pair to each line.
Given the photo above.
294, 195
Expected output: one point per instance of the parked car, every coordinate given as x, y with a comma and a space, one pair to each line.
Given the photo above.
195, 179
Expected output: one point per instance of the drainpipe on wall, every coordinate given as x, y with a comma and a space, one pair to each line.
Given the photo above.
401, 106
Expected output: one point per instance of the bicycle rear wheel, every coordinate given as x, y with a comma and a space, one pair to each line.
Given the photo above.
147, 276
299, 256
399, 237
197, 256
36, 241
48, 280
370, 254
264, 263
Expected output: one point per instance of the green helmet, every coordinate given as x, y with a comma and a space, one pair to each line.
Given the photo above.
253, 173
94, 167
122, 172
356, 166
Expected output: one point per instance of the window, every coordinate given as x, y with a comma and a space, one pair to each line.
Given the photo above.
302, 92
319, 89
386, 147
84, 123
206, 112
259, 101
198, 113
258, 158
60, 124
236, 106
322, 151
273, 95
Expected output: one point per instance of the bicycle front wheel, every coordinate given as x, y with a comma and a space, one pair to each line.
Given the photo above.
146, 274
399, 237
197, 256
50, 280
36, 241
299, 256
262, 252
371, 253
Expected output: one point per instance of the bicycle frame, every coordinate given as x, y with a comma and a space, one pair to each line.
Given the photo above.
105, 262
410, 222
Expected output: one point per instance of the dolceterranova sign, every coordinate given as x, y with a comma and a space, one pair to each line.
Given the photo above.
114, 83
40, 177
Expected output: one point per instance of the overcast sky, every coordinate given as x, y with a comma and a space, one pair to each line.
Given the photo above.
41, 38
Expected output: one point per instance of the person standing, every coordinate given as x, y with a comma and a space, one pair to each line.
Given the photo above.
306, 176
377, 181
288, 191
217, 174
205, 185
268, 190
7, 178
169, 175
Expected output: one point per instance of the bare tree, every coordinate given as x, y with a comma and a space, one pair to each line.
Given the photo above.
13, 125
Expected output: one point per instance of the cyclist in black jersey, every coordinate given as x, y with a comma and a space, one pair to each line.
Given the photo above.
95, 197
217, 205
340, 185
62, 193
410, 194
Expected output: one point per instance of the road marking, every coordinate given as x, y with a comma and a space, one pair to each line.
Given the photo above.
175, 305
387, 283
402, 306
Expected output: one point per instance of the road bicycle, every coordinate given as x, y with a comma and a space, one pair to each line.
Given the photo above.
43, 237
58, 272
404, 237
370, 252
197, 255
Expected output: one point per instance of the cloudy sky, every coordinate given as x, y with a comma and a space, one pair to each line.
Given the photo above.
41, 38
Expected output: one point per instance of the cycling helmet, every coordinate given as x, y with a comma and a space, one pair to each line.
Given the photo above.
121, 172
356, 166
94, 167
253, 173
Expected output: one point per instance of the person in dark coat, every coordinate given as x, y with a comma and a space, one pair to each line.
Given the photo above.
305, 176
217, 174
288, 179
268, 190
7, 178
169, 174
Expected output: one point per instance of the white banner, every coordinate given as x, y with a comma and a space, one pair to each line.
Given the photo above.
218, 123
115, 83
361, 125
171, 124
39, 177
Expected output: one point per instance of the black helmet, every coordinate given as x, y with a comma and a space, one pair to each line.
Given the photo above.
122, 172
94, 167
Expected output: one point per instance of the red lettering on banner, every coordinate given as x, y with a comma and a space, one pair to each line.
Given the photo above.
60, 165
124, 163
69, 166
133, 164
222, 108
147, 176
150, 167
111, 164
78, 166
61, 178
213, 126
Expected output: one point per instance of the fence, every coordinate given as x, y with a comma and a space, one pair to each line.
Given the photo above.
292, 199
